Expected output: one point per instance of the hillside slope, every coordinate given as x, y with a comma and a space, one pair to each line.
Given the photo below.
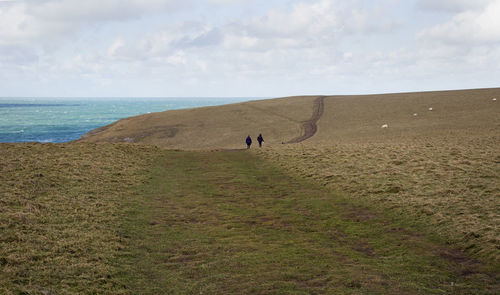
440, 166
409, 116
227, 126
355, 118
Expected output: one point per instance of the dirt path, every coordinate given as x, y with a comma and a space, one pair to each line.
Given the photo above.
310, 126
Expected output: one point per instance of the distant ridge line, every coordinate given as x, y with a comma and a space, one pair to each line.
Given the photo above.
310, 126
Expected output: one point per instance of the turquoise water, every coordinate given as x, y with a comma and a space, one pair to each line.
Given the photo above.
66, 119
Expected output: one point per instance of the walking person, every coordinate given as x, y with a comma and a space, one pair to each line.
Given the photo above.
249, 141
260, 139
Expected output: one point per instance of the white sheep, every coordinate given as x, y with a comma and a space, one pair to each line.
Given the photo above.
430, 109
385, 126
414, 115
494, 99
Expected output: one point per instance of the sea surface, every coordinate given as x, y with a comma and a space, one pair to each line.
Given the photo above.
65, 119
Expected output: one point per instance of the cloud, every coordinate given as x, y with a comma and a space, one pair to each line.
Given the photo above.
202, 36
268, 43
97, 10
229, 47
300, 38
472, 27
48, 20
307, 24
226, 2
13, 20
34, 30
18, 55
452, 5
186, 36
303, 18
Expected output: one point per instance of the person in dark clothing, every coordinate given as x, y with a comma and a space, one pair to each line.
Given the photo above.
249, 141
260, 140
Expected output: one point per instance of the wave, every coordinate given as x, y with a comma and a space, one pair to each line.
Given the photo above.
31, 105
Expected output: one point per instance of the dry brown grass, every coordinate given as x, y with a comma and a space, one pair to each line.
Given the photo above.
455, 115
59, 208
455, 188
212, 127
62, 206
441, 167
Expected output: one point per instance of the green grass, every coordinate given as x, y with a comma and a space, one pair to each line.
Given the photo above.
227, 223
60, 206
125, 219
451, 186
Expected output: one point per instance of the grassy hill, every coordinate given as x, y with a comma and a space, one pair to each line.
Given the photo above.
212, 127
344, 207
455, 114
440, 166
465, 113
437, 160
105, 218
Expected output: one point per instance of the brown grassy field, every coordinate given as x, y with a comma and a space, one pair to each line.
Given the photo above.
454, 188
212, 127
463, 114
441, 166
59, 210
121, 218
84, 218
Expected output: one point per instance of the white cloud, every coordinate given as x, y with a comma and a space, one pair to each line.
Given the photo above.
243, 47
226, 2
115, 46
452, 5
35, 30
46, 20
178, 58
97, 10
240, 42
469, 27
310, 24
18, 55
303, 18
13, 22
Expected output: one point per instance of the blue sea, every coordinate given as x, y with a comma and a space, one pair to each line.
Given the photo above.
65, 119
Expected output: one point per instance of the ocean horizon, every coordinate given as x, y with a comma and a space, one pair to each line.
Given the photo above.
57, 120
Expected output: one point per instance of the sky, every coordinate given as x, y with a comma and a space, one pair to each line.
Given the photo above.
246, 48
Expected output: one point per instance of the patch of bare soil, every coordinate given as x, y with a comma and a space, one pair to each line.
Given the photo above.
309, 127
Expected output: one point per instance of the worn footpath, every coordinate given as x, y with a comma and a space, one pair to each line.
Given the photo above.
228, 223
